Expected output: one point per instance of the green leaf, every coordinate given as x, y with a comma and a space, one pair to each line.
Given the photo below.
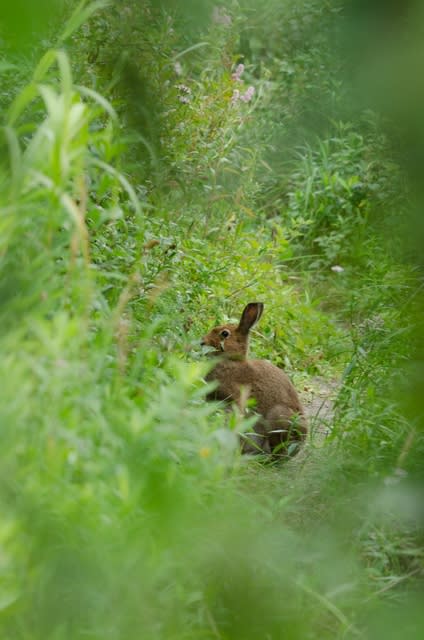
105, 104
81, 14
20, 103
15, 155
65, 74
44, 65
124, 182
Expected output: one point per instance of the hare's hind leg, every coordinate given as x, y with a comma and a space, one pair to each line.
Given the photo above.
258, 441
254, 443
286, 431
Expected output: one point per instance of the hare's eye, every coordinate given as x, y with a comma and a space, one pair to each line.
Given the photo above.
224, 333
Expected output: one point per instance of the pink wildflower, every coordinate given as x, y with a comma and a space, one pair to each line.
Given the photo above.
238, 72
248, 95
235, 97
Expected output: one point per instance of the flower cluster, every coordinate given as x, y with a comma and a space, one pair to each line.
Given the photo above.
238, 72
185, 93
237, 94
243, 97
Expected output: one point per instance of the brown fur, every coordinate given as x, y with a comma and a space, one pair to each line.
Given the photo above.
281, 420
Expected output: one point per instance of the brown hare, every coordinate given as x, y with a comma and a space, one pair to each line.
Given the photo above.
281, 424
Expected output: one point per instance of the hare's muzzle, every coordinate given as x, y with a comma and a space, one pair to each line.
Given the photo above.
208, 348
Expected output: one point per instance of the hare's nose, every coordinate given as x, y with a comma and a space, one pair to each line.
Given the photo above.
202, 343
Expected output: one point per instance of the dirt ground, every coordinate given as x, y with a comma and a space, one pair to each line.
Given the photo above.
318, 401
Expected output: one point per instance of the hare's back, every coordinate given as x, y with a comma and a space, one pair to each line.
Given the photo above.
268, 384
271, 386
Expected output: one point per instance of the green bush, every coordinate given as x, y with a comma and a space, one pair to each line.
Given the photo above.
339, 191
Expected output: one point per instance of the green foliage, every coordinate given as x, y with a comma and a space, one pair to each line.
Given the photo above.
142, 199
339, 190
382, 312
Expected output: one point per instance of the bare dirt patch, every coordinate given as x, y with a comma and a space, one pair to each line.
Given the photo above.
318, 399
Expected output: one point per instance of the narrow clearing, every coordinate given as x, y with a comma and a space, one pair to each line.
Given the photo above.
318, 401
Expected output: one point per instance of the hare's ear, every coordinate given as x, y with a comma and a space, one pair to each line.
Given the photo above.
250, 316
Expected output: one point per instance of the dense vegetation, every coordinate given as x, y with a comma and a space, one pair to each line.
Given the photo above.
161, 165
